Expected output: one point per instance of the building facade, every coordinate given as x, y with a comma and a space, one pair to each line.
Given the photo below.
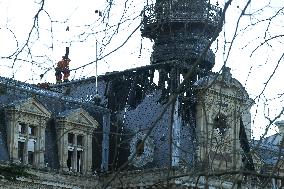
190, 129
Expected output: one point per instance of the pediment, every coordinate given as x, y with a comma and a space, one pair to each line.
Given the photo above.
79, 116
224, 79
31, 105
225, 84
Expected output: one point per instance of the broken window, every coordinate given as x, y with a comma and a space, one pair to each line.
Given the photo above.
32, 130
27, 124
30, 158
75, 152
31, 150
79, 161
70, 138
26, 143
80, 140
31, 145
70, 160
21, 148
22, 128
220, 123
75, 137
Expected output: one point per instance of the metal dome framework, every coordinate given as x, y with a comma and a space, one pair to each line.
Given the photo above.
181, 29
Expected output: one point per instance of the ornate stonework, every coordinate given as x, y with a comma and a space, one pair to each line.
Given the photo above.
26, 131
221, 95
74, 133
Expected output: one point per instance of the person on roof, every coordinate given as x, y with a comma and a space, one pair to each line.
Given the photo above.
62, 67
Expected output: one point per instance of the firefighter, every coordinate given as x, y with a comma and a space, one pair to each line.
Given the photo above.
62, 67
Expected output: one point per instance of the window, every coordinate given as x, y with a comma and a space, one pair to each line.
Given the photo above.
22, 128
70, 138
75, 152
79, 161
26, 134
32, 130
220, 124
30, 157
80, 140
31, 151
26, 143
70, 160
21, 148
75, 140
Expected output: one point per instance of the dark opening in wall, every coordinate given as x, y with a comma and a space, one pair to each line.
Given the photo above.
80, 140
220, 123
70, 160
30, 158
79, 161
139, 148
21, 147
22, 128
70, 138
32, 130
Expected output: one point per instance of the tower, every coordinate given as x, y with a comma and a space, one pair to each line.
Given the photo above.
223, 122
181, 29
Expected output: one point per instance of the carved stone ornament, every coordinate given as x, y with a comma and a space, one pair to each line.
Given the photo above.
147, 155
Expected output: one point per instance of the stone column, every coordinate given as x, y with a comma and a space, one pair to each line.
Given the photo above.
84, 154
41, 144
26, 159
62, 142
12, 137
74, 164
88, 155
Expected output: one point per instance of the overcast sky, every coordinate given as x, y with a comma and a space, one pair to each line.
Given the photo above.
86, 26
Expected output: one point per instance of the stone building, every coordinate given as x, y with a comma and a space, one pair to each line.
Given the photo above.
190, 129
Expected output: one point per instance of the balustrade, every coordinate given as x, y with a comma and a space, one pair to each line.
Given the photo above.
181, 12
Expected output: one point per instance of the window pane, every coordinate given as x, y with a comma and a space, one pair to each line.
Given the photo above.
22, 128
30, 158
80, 140
70, 160
31, 145
70, 138
21, 147
32, 130
79, 161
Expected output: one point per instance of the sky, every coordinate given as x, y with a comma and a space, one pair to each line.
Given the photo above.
82, 20
252, 68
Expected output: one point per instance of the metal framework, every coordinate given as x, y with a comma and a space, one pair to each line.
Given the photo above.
184, 12
181, 29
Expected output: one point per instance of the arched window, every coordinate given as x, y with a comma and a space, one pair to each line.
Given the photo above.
220, 123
